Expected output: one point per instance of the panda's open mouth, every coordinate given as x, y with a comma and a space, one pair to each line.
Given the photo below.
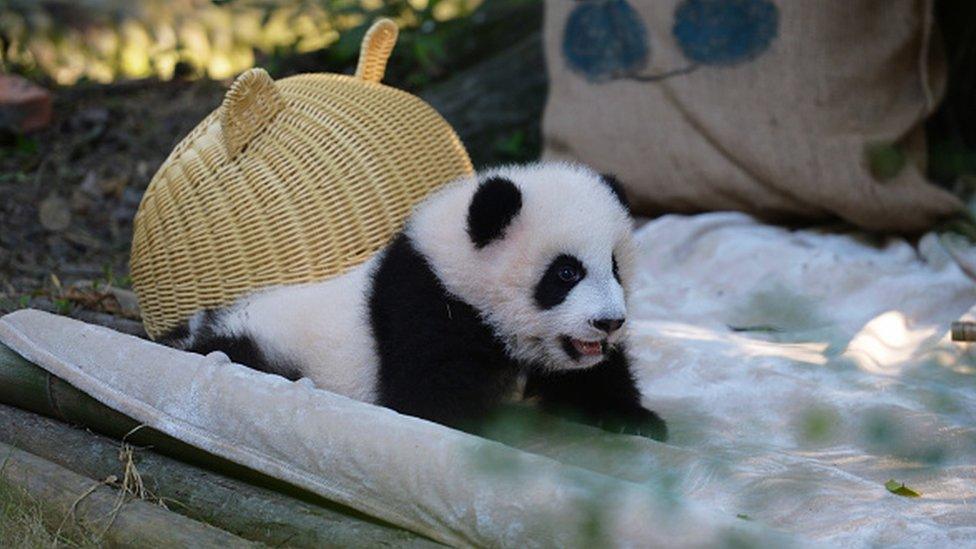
577, 348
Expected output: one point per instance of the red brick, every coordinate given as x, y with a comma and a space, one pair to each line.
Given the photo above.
24, 106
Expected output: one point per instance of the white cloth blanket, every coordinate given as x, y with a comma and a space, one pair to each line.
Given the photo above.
812, 368
798, 372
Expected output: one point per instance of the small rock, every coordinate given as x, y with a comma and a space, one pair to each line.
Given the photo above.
24, 106
55, 213
90, 184
142, 170
83, 197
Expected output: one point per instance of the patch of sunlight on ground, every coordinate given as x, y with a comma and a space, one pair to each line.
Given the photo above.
808, 352
886, 344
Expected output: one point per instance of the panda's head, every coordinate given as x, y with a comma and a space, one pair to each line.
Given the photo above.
543, 252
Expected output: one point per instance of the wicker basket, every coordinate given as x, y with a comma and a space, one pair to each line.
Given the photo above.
286, 182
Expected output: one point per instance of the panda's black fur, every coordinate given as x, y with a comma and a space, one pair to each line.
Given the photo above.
438, 357
449, 366
239, 348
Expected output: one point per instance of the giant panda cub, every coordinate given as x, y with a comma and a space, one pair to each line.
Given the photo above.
513, 278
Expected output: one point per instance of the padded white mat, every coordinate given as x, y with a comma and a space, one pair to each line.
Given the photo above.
798, 371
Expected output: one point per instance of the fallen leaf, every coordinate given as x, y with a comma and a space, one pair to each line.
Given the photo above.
113, 186
900, 489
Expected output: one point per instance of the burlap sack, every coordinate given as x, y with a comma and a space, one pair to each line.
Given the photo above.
788, 110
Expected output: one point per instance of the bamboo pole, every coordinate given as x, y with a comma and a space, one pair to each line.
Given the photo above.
71, 501
248, 511
29, 387
964, 331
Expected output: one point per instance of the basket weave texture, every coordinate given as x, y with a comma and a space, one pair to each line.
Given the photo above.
288, 181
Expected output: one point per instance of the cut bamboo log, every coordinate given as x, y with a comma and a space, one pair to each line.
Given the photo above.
29, 387
71, 501
964, 331
251, 512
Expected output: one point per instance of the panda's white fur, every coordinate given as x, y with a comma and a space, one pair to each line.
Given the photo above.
326, 331
321, 328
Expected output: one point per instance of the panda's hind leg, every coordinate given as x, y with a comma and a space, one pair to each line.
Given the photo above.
204, 335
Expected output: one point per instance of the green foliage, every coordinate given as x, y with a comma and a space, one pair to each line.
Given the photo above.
951, 130
950, 158
885, 160
819, 425
109, 278
16, 145
883, 432
963, 225
106, 41
63, 306
900, 489
512, 144
25, 145
776, 308
734, 539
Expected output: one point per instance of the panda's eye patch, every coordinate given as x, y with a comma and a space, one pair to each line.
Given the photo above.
616, 269
563, 273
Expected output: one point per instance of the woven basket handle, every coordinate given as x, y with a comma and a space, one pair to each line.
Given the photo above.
250, 104
377, 45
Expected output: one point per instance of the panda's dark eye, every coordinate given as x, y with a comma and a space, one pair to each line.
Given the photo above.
569, 273
561, 276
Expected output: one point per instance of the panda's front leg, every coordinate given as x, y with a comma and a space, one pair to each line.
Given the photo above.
605, 396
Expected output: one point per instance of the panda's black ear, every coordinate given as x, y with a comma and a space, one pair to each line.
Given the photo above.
611, 181
495, 204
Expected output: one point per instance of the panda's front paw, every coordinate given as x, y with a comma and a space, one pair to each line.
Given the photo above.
637, 421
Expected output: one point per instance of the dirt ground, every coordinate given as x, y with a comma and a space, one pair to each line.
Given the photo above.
69, 192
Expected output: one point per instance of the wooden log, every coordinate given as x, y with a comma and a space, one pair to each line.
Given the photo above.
29, 387
69, 500
248, 511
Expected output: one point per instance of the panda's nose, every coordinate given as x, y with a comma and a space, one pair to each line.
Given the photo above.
608, 325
